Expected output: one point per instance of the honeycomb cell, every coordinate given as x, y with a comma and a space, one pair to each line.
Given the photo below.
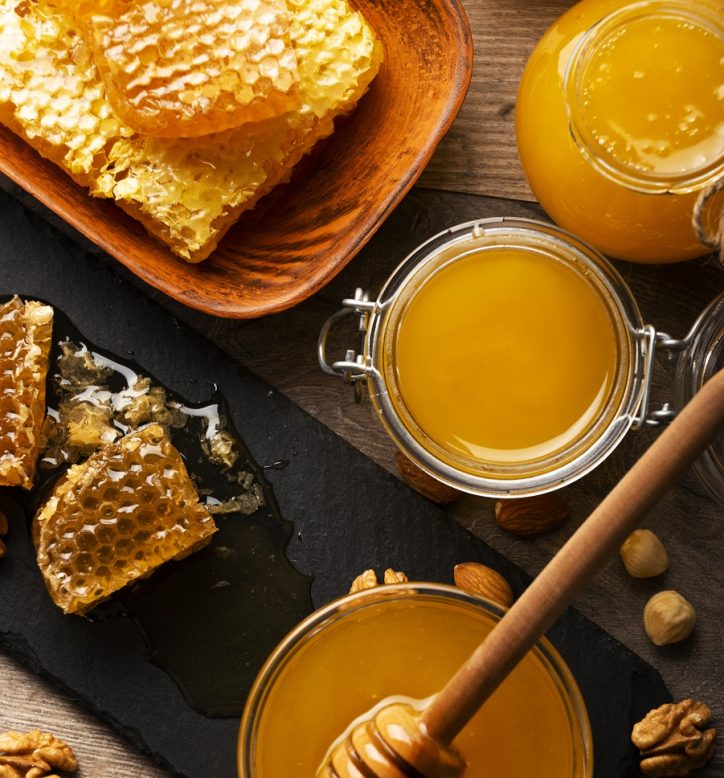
25, 340
80, 572
183, 68
186, 192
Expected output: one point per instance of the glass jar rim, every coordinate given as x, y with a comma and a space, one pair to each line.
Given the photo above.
348, 604
558, 469
702, 357
607, 163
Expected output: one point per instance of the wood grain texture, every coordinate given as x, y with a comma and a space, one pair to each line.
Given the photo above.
478, 155
290, 246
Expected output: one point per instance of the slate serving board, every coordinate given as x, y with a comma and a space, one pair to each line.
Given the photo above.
349, 514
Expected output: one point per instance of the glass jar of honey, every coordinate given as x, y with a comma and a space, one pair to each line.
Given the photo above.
620, 124
506, 357
359, 650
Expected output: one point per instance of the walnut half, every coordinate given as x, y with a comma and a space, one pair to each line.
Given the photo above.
368, 580
34, 754
673, 740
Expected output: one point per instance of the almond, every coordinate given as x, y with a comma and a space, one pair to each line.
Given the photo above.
424, 484
531, 516
483, 581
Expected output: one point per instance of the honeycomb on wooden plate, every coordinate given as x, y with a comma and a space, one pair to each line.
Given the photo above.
186, 191
181, 68
116, 517
25, 339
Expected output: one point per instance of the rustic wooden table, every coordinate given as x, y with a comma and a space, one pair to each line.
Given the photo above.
474, 173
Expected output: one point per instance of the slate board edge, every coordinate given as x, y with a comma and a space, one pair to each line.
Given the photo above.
13, 644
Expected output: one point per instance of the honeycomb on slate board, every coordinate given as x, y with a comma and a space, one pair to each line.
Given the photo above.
25, 339
186, 191
116, 517
182, 68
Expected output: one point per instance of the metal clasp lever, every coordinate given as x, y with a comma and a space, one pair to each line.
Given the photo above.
654, 341
352, 368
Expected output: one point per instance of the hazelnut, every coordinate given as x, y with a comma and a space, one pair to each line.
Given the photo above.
644, 555
668, 618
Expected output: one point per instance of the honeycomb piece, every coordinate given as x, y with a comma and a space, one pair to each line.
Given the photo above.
189, 195
187, 192
183, 68
116, 517
25, 340
50, 93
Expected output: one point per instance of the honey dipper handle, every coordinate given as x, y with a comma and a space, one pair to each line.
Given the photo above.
580, 559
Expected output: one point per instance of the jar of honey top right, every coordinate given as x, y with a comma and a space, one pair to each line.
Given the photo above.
620, 124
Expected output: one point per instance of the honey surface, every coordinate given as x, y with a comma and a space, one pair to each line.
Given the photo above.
411, 650
116, 517
505, 355
25, 339
672, 117
651, 101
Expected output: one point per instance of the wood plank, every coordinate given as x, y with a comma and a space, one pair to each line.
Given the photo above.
478, 155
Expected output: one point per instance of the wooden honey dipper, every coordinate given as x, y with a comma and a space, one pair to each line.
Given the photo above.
397, 741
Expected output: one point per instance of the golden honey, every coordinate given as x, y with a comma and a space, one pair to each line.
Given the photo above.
524, 358
116, 517
620, 123
25, 340
409, 646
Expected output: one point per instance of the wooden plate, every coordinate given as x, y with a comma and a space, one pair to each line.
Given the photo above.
304, 233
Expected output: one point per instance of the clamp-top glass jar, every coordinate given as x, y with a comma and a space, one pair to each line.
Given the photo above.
506, 357
619, 123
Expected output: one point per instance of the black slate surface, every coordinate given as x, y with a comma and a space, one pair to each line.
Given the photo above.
349, 514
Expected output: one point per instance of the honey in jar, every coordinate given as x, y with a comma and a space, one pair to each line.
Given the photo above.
409, 641
620, 123
525, 355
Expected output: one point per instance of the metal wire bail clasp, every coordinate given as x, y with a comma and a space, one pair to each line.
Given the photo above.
352, 368
654, 342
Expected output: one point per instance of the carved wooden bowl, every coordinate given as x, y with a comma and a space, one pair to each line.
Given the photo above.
302, 234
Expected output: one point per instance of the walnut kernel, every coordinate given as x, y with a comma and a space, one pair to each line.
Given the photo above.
34, 755
395, 576
673, 740
368, 580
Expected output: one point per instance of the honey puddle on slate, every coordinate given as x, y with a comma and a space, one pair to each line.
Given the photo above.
211, 620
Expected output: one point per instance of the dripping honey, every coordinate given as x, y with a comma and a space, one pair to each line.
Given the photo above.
505, 355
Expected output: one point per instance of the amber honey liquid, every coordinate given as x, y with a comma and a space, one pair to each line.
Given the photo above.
647, 100
505, 355
411, 649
